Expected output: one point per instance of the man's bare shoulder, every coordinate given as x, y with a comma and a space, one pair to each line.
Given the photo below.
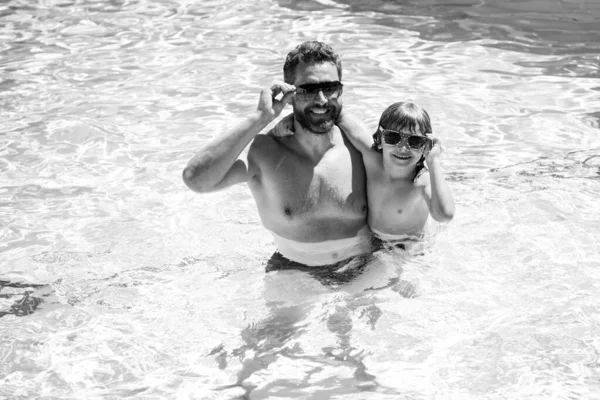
265, 146
261, 143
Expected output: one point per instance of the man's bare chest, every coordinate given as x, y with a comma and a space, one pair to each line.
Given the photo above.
332, 186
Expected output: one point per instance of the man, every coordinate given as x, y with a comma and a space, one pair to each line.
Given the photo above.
310, 187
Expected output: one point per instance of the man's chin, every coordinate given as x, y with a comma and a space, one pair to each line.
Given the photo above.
322, 127
317, 124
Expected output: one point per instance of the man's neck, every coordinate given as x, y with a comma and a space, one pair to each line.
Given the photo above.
314, 145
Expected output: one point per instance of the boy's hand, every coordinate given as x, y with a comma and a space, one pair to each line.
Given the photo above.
285, 127
434, 148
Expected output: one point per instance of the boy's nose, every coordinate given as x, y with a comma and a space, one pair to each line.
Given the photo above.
403, 143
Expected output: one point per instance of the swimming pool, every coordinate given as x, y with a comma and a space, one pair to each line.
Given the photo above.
119, 282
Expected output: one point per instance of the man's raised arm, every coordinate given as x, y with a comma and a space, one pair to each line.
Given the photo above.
217, 166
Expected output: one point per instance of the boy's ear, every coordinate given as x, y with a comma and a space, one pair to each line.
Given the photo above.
377, 139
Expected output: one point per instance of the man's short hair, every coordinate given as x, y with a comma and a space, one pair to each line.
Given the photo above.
310, 52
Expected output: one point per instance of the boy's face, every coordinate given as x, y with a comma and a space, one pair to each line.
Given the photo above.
402, 149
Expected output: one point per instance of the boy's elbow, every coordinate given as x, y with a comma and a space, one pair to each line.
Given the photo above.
446, 218
444, 215
443, 218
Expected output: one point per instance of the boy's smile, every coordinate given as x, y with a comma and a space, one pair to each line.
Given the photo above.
402, 156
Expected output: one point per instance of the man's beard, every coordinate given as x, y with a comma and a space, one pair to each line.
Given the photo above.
316, 123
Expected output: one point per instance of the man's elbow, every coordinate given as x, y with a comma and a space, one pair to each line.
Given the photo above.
195, 182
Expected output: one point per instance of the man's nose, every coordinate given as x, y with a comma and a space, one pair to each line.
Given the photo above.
321, 99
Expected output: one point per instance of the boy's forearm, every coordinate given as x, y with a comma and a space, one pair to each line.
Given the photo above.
208, 167
441, 198
355, 130
348, 123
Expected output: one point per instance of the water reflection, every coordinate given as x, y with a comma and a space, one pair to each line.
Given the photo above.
100, 116
25, 298
566, 28
301, 301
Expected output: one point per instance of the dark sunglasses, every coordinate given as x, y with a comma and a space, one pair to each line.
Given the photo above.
309, 91
415, 142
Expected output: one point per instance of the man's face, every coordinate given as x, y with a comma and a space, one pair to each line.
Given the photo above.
317, 115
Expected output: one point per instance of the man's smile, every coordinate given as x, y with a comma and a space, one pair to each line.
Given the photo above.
320, 111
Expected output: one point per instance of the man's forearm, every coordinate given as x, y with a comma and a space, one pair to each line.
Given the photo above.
210, 165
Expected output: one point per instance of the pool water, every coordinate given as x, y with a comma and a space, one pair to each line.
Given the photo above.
116, 281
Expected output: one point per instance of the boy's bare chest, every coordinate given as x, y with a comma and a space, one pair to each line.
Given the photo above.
396, 207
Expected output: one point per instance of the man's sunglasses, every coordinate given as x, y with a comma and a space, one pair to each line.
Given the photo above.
309, 91
415, 142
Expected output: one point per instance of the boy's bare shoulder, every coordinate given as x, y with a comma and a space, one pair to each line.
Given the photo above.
373, 157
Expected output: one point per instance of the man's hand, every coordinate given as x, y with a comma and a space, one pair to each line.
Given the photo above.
268, 106
285, 127
434, 148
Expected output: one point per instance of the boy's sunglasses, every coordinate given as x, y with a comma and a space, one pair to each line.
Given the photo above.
415, 142
309, 91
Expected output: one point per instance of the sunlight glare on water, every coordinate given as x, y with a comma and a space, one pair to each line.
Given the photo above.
116, 281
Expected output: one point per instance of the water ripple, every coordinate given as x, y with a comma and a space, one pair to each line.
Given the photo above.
117, 281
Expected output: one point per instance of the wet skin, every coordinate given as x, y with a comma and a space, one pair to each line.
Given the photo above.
309, 187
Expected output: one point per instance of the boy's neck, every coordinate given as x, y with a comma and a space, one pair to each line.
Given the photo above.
399, 174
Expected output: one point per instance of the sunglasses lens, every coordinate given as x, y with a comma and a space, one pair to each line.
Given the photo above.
395, 138
304, 96
392, 137
310, 91
330, 92
417, 142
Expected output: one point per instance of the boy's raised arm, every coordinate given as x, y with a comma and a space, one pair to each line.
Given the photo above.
355, 130
439, 198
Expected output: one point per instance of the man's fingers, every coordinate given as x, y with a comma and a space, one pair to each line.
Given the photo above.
281, 87
287, 97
